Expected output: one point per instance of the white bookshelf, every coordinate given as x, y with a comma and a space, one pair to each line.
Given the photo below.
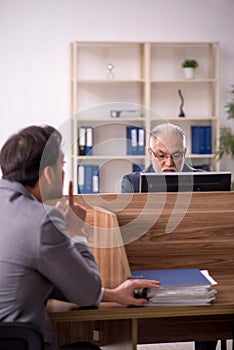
146, 78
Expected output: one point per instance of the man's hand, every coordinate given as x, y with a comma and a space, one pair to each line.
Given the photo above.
124, 293
74, 214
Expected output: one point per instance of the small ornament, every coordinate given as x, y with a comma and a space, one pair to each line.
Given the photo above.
110, 71
182, 114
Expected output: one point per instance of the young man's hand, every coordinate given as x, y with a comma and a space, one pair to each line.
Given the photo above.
74, 215
124, 293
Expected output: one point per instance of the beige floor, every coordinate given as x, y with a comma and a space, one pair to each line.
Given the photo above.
173, 346
177, 346
167, 346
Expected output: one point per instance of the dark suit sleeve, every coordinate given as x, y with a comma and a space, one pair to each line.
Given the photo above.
56, 294
188, 168
126, 185
130, 183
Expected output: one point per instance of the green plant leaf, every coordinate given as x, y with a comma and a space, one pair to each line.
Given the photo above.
226, 143
190, 64
230, 106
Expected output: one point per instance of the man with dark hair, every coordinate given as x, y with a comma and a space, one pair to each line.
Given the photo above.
38, 258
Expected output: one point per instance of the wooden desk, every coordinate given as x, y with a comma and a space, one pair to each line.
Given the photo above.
204, 238
124, 328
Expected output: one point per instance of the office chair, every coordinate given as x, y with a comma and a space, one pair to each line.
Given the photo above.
20, 336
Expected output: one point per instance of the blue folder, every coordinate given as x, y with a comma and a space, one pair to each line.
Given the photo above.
174, 277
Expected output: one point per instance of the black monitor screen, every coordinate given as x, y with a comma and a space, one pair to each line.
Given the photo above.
185, 182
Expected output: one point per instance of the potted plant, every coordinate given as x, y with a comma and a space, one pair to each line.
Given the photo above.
226, 141
227, 137
189, 66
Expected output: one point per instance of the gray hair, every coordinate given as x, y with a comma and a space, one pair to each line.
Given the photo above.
167, 128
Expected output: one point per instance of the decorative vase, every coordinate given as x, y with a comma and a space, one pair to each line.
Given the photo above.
189, 73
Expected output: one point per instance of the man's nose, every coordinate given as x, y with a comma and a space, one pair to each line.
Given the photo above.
169, 160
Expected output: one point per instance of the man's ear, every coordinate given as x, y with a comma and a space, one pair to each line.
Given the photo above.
48, 174
185, 151
149, 151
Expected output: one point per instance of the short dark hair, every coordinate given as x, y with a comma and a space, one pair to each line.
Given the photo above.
27, 153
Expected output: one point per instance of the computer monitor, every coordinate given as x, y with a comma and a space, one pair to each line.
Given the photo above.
185, 181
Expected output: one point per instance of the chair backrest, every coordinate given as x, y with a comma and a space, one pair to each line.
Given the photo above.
20, 336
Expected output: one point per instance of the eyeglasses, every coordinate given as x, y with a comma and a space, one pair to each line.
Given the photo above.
163, 156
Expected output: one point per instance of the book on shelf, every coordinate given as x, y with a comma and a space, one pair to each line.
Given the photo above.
81, 141
178, 287
89, 141
85, 141
201, 139
95, 178
88, 179
135, 140
141, 140
131, 140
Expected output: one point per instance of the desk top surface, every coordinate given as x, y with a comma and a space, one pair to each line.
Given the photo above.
223, 305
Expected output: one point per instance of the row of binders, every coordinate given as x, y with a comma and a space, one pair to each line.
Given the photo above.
177, 287
88, 177
135, 140
85, 141
201, 139
135, 137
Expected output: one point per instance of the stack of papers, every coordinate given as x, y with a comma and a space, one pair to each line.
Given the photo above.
178, 287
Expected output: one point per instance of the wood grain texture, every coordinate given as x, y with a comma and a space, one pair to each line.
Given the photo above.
203, 238
108, 248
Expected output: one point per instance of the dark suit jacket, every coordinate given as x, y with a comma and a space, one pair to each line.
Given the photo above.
131, 182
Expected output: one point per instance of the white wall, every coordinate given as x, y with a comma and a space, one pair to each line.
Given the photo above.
35, 37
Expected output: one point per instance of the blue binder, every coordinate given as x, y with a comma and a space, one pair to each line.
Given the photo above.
132, 140
140, 141
174, 277
197, 142
84, 179
80, 178
89, 141
88, 179
208, 139
135, 140
201, 139
95, 179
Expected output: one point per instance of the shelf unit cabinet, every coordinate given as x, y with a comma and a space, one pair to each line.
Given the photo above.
119, 84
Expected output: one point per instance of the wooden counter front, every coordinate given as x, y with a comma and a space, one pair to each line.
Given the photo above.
168, 232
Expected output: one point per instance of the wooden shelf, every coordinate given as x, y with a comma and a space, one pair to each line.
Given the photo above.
113, 81
184, 81
109, 157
